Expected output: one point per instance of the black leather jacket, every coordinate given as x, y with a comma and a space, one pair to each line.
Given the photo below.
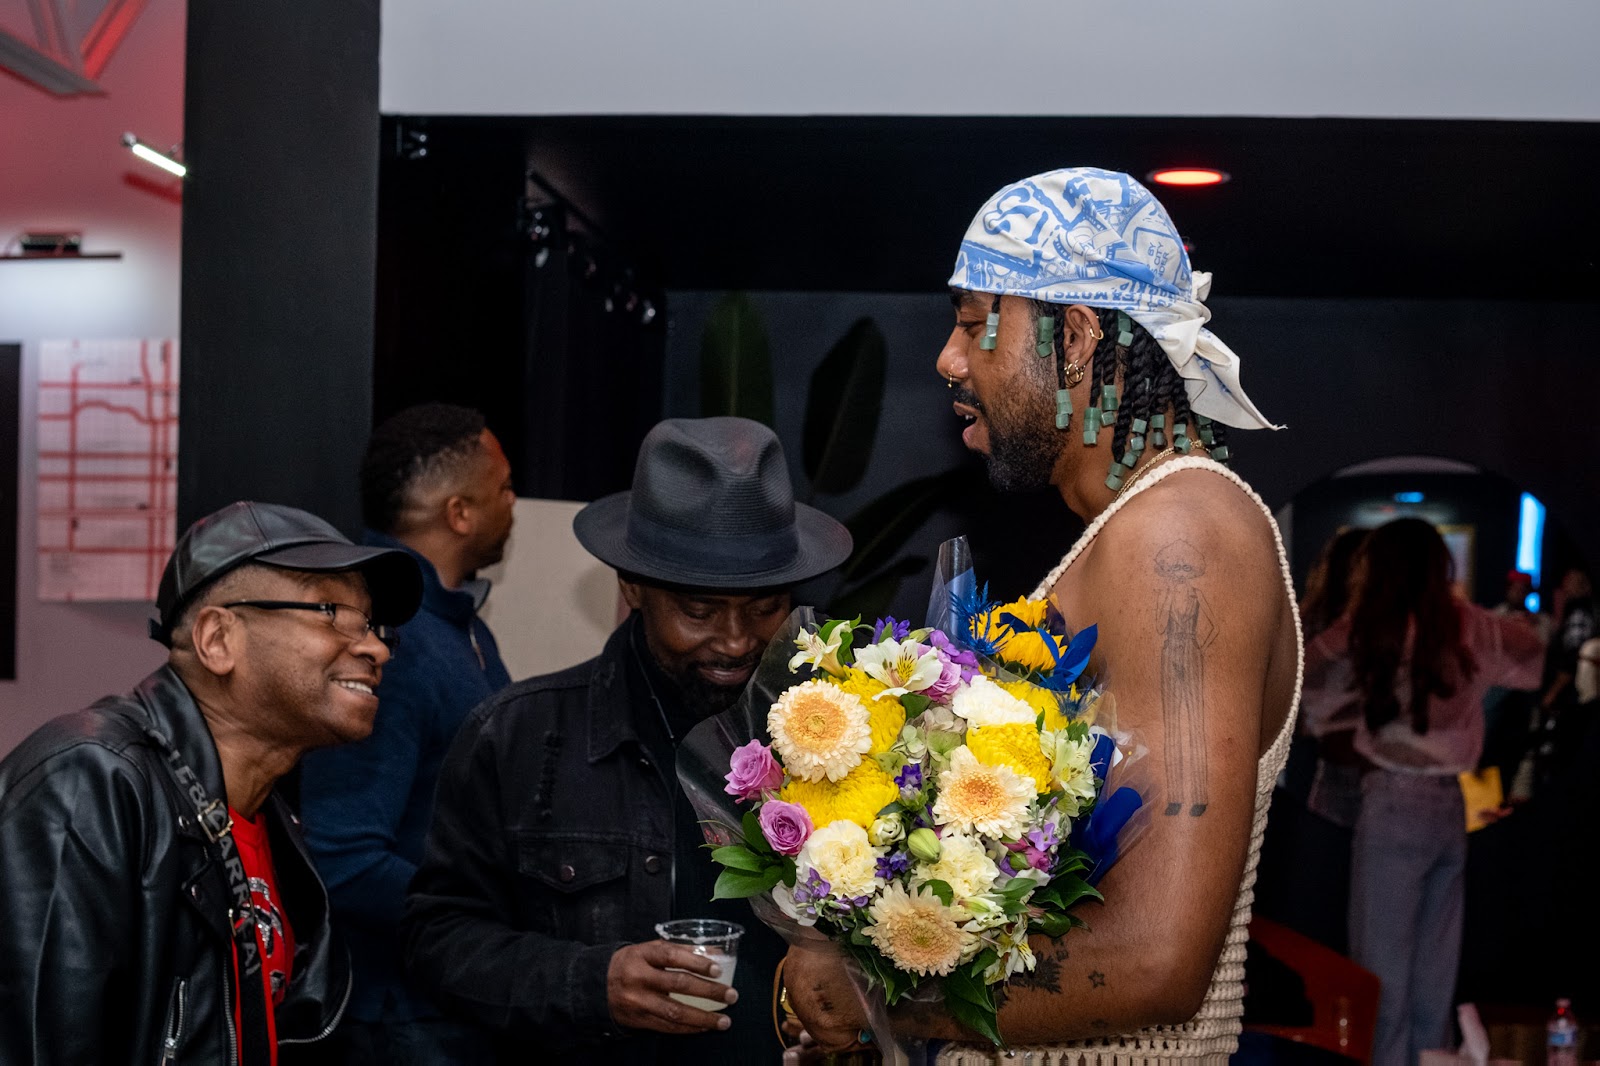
557, 838
115, 940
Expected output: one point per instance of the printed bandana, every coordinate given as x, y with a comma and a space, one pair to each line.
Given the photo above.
1097, 237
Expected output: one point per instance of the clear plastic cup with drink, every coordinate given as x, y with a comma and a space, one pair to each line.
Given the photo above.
716, 940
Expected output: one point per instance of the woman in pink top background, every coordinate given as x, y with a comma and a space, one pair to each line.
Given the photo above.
1416, 659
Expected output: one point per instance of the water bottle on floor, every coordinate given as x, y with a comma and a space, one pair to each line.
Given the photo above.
1561, 1036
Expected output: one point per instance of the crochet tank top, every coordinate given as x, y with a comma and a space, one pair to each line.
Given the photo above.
1212, 1034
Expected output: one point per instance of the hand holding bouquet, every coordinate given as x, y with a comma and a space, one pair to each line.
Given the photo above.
926, 798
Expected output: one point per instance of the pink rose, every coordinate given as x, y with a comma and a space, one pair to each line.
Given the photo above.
786, 826
753, 771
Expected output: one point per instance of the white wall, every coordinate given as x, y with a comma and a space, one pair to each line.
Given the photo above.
62, 165
1533, 59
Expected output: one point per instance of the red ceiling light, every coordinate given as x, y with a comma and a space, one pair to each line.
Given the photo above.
1190, 176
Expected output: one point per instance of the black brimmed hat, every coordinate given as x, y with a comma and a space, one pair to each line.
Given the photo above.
712, 507
289, 539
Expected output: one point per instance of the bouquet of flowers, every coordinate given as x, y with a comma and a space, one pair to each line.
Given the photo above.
925, 798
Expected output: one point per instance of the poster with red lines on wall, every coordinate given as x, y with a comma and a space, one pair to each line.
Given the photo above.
108, 466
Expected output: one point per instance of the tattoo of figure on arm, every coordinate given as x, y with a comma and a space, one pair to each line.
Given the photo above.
1184, 619
1045, 976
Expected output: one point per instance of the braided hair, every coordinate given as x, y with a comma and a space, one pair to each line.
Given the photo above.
1151, 385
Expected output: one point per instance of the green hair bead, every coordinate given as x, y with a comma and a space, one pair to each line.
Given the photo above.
1140, 425
1180, 438
1108, 397
1124, 330
1091, 425
1114, 480
1220, 453
1047, 337
1135, 444
1063, 408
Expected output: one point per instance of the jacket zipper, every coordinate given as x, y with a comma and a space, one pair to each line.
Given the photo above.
227, 1009
473, 637
177, 1012
333, 1023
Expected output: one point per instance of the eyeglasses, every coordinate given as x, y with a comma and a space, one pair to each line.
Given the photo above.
349, 621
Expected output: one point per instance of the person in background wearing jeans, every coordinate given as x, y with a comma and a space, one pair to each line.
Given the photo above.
434, 484
1419, 660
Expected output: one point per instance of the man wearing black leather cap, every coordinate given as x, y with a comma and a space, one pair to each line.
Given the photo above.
560, 834
156, 901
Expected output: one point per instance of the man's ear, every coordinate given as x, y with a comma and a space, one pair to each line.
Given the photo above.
217, 638
1082, 324
632, 595
458, 515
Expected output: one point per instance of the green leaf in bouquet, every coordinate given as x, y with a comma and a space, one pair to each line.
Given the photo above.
1066, 890
740, 884
1053, 923
914, 703
842, 410
941, 889
754, 838
1017, 889
970, 1003
739, 857
787, 872
735, 362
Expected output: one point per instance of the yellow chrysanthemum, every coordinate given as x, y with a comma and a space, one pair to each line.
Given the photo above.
857, 797
978, 798
888, 717
1025, 647
1042, 700
1016, 746
917, 932
819, 731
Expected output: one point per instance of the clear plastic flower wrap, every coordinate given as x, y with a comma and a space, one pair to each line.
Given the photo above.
921, 800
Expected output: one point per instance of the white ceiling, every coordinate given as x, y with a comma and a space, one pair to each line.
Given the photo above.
1533, 59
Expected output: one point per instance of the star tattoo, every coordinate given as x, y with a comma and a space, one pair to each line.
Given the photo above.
1097, 979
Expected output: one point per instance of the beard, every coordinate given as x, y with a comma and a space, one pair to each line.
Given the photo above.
1024, 443
702, 696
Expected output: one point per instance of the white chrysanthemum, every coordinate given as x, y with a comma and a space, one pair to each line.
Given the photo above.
982, 702
819, 730
992, 801
842, 856
917, 932
1069, 765
901, 665
963, 865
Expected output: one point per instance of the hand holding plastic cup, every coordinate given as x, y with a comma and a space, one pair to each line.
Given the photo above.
715, 940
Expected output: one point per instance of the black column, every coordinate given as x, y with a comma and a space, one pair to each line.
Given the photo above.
279, 234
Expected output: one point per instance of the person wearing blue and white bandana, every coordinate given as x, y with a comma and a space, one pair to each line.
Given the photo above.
1080, 360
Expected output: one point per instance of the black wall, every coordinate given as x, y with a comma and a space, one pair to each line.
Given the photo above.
1501, 385
279, 232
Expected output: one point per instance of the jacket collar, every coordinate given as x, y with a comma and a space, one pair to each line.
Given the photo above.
458, 605
169, 708
610, 703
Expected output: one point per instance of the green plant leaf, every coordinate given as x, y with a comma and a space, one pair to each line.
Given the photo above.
1053, 923
739, 857
882, 527
738, 884
970, 1002
842, 410
736, 362
940, 889
914, 704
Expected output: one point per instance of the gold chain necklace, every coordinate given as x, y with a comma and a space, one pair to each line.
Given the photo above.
1143, 470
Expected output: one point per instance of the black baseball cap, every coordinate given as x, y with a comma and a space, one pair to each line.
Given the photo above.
290, 539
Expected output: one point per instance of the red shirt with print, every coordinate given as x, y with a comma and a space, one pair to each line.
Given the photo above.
273, 934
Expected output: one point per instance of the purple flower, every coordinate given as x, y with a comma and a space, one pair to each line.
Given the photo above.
961, 657
785, 825
893, 865
1035, 847
890, 627
753, 771
909, 779
951, 675
812, 888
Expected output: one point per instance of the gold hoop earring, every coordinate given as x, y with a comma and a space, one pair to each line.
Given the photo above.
1074, 375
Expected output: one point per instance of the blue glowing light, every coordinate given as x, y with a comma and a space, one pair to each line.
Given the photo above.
1530, 537
1408, 497
1532, 602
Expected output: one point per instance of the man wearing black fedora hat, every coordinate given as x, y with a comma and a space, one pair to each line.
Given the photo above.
157, 903
560, 835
